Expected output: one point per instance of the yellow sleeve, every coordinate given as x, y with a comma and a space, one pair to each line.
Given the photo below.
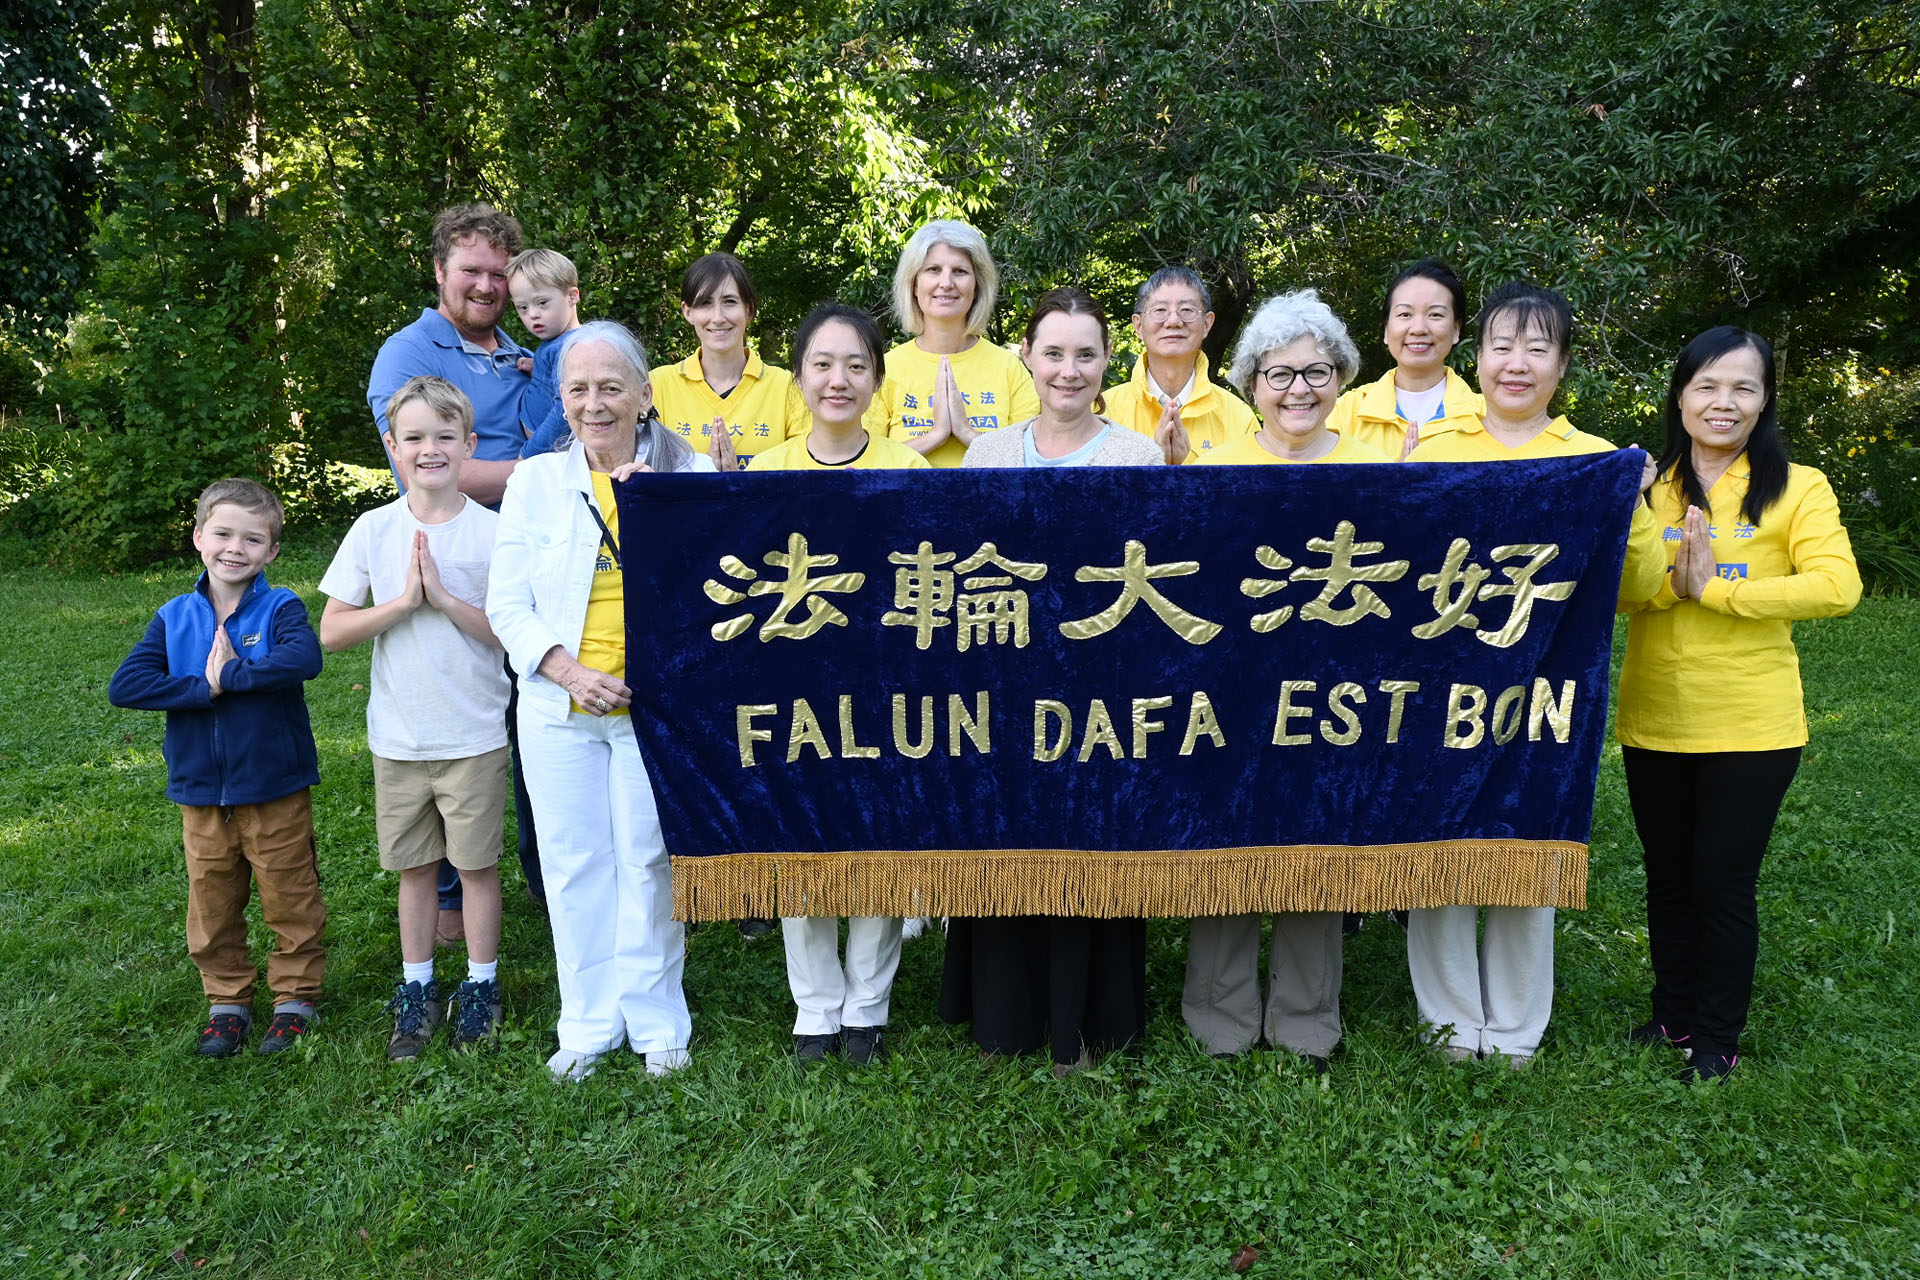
1645, 572
798, 420
1026, 400
1341, 419
1825, 582
880, 417
1663, 599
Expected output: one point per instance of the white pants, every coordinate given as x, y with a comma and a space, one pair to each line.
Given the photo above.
609, 888
830, 996
1493, 997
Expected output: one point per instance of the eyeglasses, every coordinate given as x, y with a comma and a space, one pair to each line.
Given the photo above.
1188, 313
1279, 377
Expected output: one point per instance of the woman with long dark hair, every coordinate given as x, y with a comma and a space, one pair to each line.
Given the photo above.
1711, 720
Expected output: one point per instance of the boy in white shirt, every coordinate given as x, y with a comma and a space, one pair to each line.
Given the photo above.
436, 716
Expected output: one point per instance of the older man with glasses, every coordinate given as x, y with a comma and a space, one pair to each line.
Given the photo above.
1169, 397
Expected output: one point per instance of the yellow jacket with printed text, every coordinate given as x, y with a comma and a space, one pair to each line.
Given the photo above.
1720, 673
998, 390
763, 410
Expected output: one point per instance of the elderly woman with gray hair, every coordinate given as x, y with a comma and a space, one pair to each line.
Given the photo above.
1293, 358
555, 599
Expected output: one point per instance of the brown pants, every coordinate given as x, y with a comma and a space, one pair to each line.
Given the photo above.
271, 844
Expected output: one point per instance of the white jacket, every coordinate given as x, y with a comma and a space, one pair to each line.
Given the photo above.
542, 573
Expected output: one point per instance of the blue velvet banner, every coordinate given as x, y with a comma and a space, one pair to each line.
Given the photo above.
1125, 691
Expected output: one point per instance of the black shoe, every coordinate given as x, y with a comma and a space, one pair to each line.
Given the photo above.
1316, 1063
1710, 1067
476, 1016
416, 1012
223, 1035
1351, 923
1649, 1034
285, 1028
865, 1044
812, 1049
754, 927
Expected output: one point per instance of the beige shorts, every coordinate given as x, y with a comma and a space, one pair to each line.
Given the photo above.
426, 810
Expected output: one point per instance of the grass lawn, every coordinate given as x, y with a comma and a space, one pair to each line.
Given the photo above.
121, 1155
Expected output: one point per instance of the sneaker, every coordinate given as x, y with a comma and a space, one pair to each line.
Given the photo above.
1456, 1053
476, 1015
812, 1049
865, 1044
416, 1012
1711, 1067
1648, 1034
285, 1028
573, 1067
223, 1035
913, 926
754, 927
662, 1061
1315, 1063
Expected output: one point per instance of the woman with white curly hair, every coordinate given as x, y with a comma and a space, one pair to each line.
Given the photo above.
1293, 358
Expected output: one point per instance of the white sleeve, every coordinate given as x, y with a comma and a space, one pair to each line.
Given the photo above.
349, 579
511, 608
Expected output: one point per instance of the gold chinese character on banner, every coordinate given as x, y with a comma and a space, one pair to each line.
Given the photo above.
1450, 605
1342, 574
926, 591
1135, 577
1457, 584
922, 592
990, 611
797, 588
1524, 590
1255, 588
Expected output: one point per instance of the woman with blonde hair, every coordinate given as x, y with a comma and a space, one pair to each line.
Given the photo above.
947, 383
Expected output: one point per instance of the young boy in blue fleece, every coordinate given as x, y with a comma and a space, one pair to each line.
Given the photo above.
227, 662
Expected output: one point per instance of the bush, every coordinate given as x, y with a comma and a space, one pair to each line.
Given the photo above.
1864, 434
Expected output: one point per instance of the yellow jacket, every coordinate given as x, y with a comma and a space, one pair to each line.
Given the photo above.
1249, 452
881, 454
1645, 570
1212, 415
763, 410
1371, 414
1720, 673
996, 386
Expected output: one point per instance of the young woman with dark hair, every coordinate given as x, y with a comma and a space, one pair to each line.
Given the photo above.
1421, 323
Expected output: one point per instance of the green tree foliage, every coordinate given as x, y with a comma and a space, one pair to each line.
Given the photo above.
632, 136
273, 167
49, 169
172, 380
1668, 165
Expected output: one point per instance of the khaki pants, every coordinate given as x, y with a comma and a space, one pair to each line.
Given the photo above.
1222, 1004
229, 848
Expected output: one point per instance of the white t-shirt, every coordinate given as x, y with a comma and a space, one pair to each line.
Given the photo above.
438, 694
1420, 407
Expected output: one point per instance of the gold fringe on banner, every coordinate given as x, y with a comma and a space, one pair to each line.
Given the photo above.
1071, 882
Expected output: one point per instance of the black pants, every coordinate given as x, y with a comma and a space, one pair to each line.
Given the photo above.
1704, 820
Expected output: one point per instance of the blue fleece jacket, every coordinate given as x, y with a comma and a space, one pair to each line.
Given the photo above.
254, 742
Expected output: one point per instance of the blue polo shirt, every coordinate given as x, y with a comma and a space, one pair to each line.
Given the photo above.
431, 345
